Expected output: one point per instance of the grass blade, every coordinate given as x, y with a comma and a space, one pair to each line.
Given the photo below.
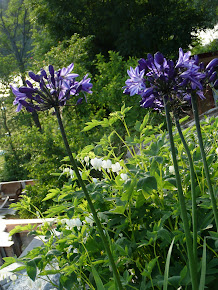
166, 272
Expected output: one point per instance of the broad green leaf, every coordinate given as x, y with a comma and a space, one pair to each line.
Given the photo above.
149, 267
167, 266
118, 209
128, 189
147, 183
183, 273
53, 253
98, 280
31, 269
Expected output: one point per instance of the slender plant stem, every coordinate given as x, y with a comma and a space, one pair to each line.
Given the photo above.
191, 261
82, 184
203, 155
192, 175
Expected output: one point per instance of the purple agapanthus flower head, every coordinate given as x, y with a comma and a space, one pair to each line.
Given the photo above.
156, 78
54, 89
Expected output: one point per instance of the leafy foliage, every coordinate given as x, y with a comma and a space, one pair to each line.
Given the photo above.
140, 213
131, 27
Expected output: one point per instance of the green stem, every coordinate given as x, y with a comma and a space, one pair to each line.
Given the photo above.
82, 184
203, 155
192, 264
192, 175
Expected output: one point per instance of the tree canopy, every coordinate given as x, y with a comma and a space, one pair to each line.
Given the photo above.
132, 27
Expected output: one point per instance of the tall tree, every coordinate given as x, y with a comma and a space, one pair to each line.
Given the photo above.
133, 27
15, 42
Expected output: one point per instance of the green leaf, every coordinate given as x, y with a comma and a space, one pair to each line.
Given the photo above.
183, 119
31, 269
128, 189
8, 261
49, 272
98, 280
137, 126
147, 184
149, 267
183, 273
170, 180
90, 125
52, 193
19, 229
167, 266
203, 267
145, 121
118, 209
164, 235
53, 253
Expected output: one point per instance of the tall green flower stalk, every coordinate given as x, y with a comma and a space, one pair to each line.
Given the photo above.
83, 186
203, 155
54, 89
191, 259
193, 183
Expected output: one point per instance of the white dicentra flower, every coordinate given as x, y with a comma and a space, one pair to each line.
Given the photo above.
116, 167
106, 164
171, 169
124, 176
74, 223
96, 163
86, 159
66, 170
71, 172
89, 219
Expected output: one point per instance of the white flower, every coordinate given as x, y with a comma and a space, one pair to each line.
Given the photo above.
74, 223
124, 176
13, 277
171, 169
89, 220
94, 180
71, 172
217, 150
66, 170
96, 163
75, 251
86, 159
116, 167
106, 164
63, 221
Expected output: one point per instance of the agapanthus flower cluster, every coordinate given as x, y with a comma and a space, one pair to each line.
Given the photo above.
53, 90
156, 78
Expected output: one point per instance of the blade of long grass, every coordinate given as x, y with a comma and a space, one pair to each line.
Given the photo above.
166, 272
203, 267
98, 280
